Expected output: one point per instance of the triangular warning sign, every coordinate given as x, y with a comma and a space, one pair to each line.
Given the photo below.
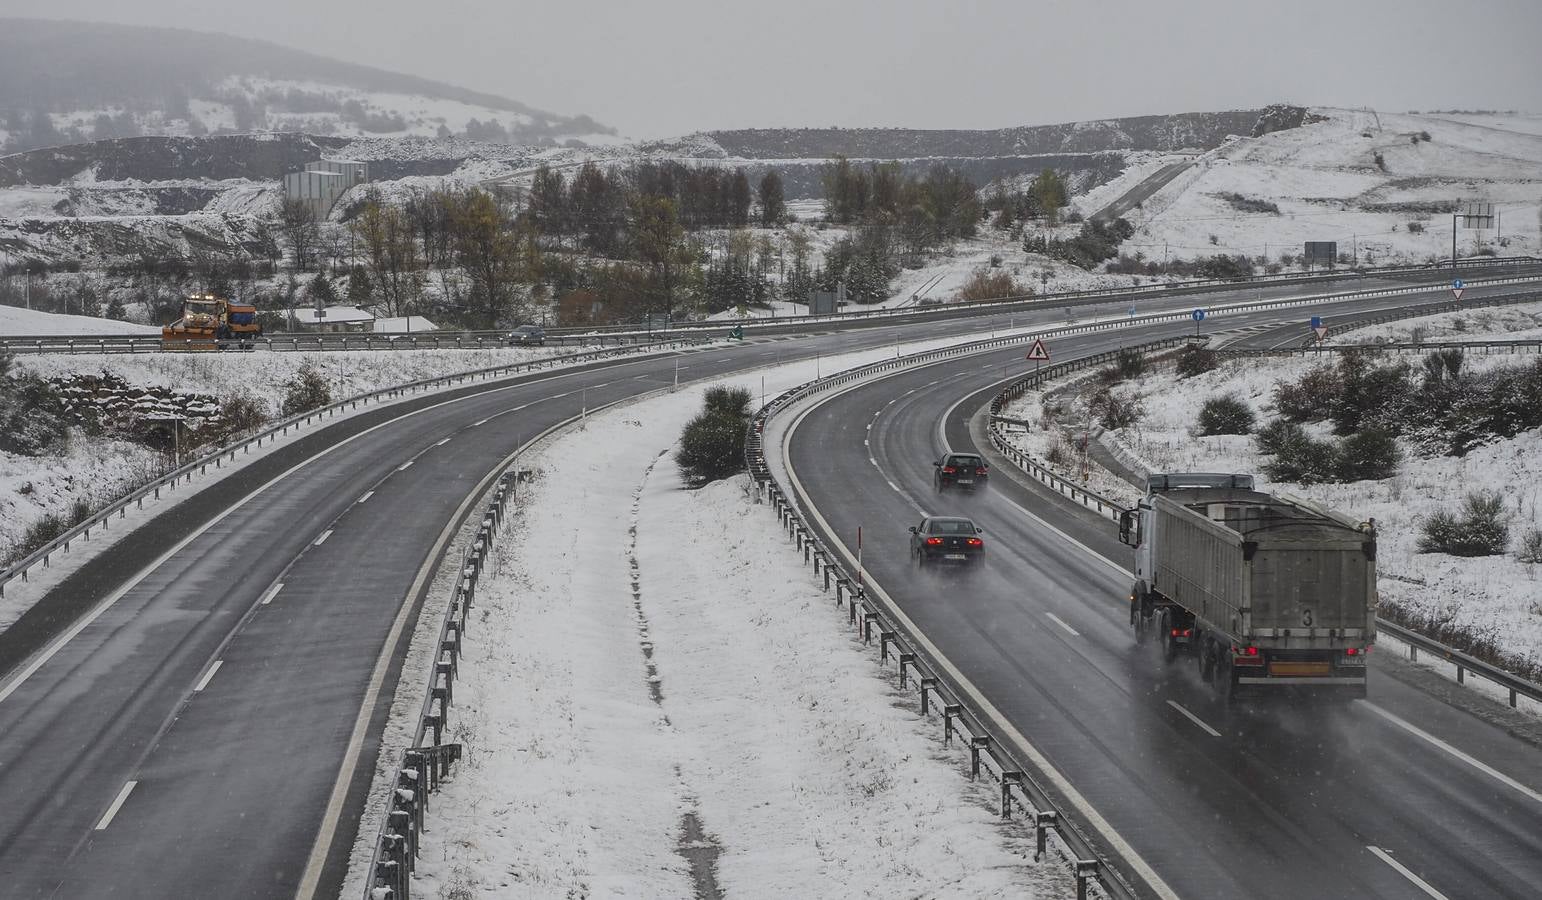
1457, 292
1038, 352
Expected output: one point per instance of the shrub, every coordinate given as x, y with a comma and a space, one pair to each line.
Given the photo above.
1371, 454
1225, 415
1415, 227
306, 391
32, 414
1196, 359
1114, 411
1298, 456
1529, 548
1310, 398
712, 444
727, 400
1368, 393
1229, 268
1249, 204
991, 286
1480, 529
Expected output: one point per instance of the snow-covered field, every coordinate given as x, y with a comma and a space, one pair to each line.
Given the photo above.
637, 662
1328, 186
1509, 323
16, 321
1494, 599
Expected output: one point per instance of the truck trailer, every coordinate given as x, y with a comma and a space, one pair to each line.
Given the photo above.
1267, 592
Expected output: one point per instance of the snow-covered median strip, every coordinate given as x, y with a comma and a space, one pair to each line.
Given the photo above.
645, 656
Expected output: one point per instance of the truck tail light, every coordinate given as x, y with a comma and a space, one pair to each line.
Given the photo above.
1357, 651
1183, 632
1246, 656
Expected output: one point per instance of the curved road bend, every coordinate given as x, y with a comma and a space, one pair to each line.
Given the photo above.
186, 740
1265, 800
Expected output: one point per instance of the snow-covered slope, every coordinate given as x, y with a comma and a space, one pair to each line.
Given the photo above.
1373, 183
15, 321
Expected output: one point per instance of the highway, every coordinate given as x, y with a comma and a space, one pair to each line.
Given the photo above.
207, 724
1261, 800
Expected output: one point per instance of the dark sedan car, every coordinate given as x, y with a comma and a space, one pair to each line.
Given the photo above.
527, 336
946, 539
964, 470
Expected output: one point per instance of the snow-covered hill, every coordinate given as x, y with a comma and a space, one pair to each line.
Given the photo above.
1383, 186
15, 321
113, 81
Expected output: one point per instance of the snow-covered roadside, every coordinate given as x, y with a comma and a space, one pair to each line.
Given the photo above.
631, 666
1522, 322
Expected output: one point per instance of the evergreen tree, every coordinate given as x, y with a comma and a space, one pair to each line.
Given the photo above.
773, 199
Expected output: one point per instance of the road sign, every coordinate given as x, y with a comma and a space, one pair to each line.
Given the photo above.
1456, 288
1132, 312
1038, 352
1199, 315
737, 332
1322, 332
1316, 322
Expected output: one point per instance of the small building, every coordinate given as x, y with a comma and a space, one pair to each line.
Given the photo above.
321, 183
404, 325
331, 319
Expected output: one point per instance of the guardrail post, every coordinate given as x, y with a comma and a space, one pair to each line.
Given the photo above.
868, 618
950, 712
928, 683
827, 579
905, 660
884, 639
1086, 870
1042, 823
976, 744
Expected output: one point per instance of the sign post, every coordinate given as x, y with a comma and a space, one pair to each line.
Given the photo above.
860, 591
1038, 353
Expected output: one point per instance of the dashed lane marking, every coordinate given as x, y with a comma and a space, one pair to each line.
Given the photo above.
117, 804
1193, 718
207, 676
1404, 871
1061, 622
323, 539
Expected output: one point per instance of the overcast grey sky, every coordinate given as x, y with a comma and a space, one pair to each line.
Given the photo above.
656, 68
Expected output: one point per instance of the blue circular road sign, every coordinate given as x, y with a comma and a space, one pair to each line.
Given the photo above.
1199, 315
1458, 284
1317, 321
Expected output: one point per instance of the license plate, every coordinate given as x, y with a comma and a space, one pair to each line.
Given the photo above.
1300, 668
956, 556
966, 481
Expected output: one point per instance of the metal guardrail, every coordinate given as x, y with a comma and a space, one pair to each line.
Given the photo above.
484, 340
988, 750
312, 343
101, 519
1464, 662
1309, 346
397, 843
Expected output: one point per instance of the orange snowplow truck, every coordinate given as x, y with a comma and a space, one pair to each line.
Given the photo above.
212, 323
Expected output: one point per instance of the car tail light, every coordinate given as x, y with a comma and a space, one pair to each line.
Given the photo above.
949, 469
980, 471
1183, 632
933, 542
976, 542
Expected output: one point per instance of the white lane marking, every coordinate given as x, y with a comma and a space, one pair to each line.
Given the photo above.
1193, 718
403, 466
1090, 815
204, 681
365, 498
1061, 622
642, 377
475, 424
896, 487
272, 592
442, 443
117, 804
323, 539
1475, 763
1402, 870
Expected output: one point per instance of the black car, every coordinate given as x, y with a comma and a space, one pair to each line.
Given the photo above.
964, 470
946, 539
528, 336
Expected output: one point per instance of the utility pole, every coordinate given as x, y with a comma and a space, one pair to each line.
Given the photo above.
1453, 242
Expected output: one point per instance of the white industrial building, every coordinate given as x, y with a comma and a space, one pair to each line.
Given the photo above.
321, 183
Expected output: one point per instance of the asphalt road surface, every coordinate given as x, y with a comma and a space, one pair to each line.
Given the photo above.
1265, 799
185, 735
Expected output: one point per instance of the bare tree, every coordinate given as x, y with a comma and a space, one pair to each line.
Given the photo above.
299, 222
395, 269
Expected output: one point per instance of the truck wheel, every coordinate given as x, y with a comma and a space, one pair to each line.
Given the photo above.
1225, 681
1207, 662
1164, 631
